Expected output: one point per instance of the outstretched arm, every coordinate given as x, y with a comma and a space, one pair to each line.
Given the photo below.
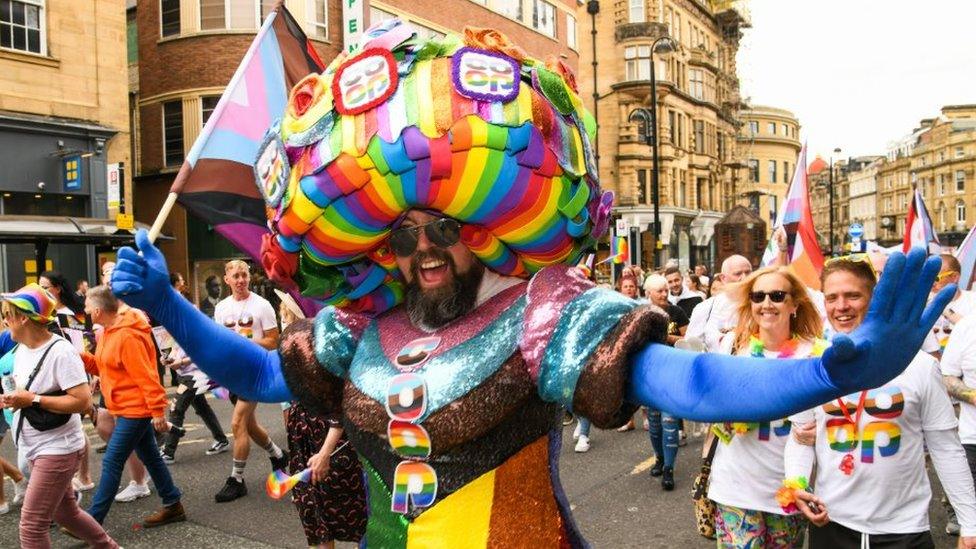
141, 279
724, 388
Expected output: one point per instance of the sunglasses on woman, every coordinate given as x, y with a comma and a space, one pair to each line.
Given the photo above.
443, 233
776, 296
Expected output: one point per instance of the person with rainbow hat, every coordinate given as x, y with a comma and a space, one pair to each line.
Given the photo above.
435, 194
49, 389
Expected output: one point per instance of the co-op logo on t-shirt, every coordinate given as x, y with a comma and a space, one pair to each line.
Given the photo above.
243, 325
880, 434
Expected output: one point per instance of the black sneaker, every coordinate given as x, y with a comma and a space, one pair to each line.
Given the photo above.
667, 479
218, 447
280, 463
232, 490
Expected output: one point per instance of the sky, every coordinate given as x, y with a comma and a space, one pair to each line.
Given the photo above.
859, 74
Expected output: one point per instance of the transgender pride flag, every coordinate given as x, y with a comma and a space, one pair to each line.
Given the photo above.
216, 182
966, 254
804, 252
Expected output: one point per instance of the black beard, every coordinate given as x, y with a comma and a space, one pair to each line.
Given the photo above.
439, 306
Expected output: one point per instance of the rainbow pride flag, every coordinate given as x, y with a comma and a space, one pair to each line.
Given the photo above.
803, 252
966, 254
619, 251
216, 182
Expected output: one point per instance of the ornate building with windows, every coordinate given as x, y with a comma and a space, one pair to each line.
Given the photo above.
187, 50
768, 144
63, 125
697, 116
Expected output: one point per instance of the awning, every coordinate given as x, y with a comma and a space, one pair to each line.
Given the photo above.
33, 229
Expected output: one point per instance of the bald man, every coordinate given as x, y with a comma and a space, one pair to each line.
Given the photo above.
711, 318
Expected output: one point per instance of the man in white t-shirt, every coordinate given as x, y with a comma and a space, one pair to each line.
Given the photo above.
251, 316
871, 484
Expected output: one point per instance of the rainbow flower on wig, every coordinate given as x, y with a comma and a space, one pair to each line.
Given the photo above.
470, 128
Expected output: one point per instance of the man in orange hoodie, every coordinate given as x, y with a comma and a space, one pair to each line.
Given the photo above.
125, 361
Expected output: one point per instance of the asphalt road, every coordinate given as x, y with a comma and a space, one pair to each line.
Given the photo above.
615, 501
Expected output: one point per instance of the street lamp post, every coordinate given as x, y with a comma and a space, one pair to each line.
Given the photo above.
830, 194
664, 44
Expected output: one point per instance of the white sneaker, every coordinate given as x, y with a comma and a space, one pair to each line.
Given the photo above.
4, 508
583, 444
576, 432
133, 492
20, 490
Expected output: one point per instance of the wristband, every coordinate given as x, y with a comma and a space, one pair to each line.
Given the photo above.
786, 497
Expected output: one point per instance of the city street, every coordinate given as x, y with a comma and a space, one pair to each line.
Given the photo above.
614, 499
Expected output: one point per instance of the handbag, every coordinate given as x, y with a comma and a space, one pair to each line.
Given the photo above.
39, 418
704, 507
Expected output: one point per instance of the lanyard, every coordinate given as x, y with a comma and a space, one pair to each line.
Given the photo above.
847, 463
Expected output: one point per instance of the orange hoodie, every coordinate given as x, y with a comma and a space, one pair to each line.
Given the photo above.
125, 361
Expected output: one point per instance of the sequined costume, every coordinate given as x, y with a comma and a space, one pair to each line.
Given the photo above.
496, 385
458, 428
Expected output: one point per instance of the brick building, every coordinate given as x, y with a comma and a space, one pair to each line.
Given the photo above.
187, 51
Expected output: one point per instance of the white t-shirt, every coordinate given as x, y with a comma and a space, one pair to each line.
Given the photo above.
747, 471
959, 360
62, 370
251, 317
888, 490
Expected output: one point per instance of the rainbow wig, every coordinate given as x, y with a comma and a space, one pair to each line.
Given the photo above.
468, 128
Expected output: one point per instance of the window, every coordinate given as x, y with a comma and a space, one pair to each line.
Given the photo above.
942, 217
318, 19
887, 207
696, 83
753, 170
173, 133
903, 203
942, 189
672, 126
721, 146
232, 14
267, 6
772, 171
753, 127
786, 130
544, 17
786, 172
637, 11
642, 186
571, 31
682, 190
681, 131
169, 16
960, 181
771, 128
960, 152
207, 105
699, 126
637, 64
960, 212
509, 8
21, 25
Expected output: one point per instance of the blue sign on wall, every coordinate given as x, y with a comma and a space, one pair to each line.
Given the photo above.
71, 172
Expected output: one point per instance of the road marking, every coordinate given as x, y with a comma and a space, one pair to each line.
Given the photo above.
643, 466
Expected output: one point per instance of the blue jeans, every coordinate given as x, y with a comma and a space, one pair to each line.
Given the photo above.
584, 427
131, 434
663, 430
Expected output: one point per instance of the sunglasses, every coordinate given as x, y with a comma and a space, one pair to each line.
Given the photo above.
443, 233
945, 275
776, 296
859, 257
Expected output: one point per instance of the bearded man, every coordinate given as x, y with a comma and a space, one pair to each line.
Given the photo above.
441, 237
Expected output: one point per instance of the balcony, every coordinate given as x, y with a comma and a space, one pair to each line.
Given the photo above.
650, 31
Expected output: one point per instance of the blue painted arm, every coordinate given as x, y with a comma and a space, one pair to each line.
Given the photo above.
237, 363
713, 387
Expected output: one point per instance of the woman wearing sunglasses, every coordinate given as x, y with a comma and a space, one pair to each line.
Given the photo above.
776, 320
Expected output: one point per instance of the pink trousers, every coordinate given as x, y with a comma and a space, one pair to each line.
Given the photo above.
50, 497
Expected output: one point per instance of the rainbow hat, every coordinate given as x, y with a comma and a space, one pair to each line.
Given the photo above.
34, 301
470, 128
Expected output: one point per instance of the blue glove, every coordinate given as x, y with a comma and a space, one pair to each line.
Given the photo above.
237, 363
714, 387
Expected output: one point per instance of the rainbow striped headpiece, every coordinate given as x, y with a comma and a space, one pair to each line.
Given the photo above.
470, 128
34, 301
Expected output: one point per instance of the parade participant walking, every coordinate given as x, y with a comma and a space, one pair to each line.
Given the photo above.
663, 427
51, 390
871, 479
472, 217
679, 294
776, 320
125, 362
958, 366
252, 317
722, 311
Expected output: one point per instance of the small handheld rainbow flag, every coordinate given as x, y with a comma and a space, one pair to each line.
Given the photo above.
619, 251
279, 483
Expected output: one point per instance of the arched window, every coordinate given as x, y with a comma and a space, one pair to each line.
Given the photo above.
960, 212
640, 121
